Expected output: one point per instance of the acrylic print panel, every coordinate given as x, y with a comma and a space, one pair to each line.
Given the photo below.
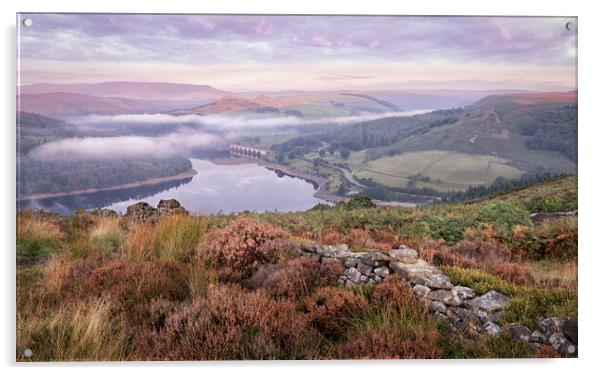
229, 187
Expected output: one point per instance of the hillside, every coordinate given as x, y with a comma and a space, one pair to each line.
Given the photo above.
37, 176
445, 281
299, 104
131, 90
508, 136
61, 104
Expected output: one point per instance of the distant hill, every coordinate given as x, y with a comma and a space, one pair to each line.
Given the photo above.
498, 136
62, 104
132, 90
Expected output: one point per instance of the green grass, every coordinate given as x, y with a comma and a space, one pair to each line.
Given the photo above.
446, 170
528, 303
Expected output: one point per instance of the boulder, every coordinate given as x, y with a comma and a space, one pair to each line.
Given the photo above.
519, 332
437, 281
492, 329
489, 301
382, 271
142, 211
446, 296
353, 274
569, 328
437, 306
421, 290
404, 254
364, 268
105, 212
375, 258
558, 341
409, 271
170, 207
537, 337
549, 326
464, 292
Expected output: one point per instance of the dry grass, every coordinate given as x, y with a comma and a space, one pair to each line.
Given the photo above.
83, 331
37, 235
174, 237
107, 234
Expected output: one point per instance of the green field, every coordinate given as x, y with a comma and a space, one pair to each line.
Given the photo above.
446, 170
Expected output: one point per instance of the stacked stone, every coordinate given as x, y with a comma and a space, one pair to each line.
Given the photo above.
559, 332
458, 305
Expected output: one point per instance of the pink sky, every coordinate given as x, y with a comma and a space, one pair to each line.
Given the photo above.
247, 53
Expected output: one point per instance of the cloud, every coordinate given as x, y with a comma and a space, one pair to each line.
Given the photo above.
228, 123
99, 148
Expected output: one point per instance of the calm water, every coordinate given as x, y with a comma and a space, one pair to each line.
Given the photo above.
225, 188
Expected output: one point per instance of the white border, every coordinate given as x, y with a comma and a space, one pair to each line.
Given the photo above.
590, 135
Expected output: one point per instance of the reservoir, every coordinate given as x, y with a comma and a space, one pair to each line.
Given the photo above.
215, 188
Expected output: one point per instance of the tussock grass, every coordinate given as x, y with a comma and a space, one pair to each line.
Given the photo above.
107, 234
83, 331
37, 236
172, 238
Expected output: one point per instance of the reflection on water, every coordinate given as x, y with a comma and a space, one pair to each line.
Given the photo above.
216, 188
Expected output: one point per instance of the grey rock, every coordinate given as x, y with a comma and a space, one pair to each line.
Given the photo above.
519, 332
537, 337
437, 281
378, 279
142, 212
549, 326
492, 329
446, 296
421, 290
382, 271
353, 274
464, 292
570, 329
404, 254
363, 278
351, 261
490, 301
364, 268
105, 212
437, 306
409, 271
170, 207
558, 341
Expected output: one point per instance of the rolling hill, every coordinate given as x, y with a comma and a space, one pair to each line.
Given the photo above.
62, 104
132, 90
509, 136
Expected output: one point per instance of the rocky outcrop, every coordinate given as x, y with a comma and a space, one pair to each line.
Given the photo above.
457, 305
143, 212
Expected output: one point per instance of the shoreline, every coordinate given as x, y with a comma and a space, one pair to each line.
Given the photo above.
320, 193
148, 182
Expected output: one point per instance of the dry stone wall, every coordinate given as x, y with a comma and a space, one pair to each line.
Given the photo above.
460, 306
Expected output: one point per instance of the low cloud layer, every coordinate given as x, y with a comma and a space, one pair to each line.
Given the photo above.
230, 123
124, 147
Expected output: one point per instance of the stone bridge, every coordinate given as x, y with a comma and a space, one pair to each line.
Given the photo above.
247, 151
